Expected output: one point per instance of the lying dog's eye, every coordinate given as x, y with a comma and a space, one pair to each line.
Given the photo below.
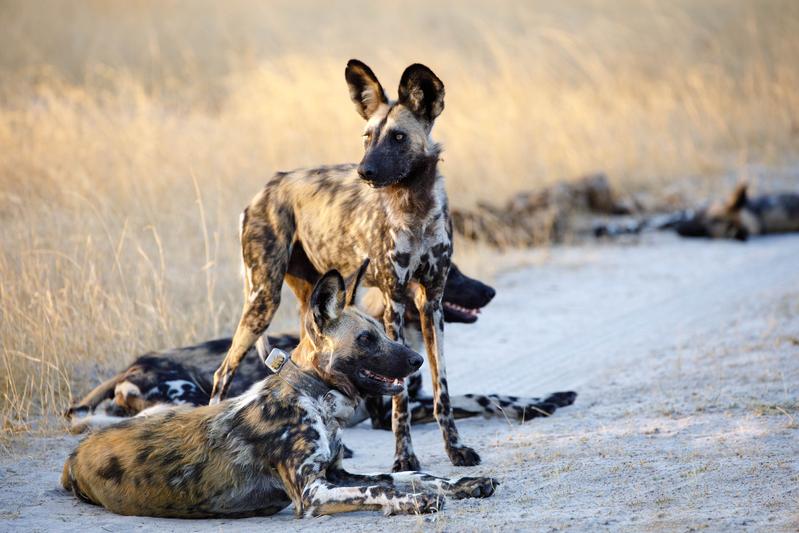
365, 338
399, 137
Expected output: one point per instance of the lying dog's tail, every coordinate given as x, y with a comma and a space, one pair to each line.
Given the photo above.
493, 405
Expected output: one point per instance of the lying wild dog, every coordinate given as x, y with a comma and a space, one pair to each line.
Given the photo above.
554, 213
392, 207
739, 217
278, 444
184, 376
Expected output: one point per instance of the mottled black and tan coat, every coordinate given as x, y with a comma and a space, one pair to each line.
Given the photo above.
392, 208
277, 444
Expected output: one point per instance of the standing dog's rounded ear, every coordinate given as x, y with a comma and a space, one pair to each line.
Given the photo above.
352, 291
422, 92
327, 299
738, 198
365, 91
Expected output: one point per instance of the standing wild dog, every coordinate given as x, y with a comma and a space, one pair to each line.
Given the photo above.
392, 207
278, 444
739, 216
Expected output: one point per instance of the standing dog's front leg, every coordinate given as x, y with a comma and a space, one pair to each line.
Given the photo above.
404, 458
428, 302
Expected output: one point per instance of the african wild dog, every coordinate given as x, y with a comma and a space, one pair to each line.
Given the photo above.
184, 376
278, 444
739, 216
392, 207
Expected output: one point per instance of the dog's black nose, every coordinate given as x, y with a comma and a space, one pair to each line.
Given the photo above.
415, 361
367, 172
489, 293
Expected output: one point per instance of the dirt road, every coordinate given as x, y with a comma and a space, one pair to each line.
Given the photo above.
686, 359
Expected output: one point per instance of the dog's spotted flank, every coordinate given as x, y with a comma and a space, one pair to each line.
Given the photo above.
277, 444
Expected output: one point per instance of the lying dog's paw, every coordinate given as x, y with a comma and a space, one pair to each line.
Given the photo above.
406, 464
463, 456
418, 503
473, 487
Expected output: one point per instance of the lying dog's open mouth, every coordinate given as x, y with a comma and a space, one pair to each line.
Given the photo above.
388, 385
460, 313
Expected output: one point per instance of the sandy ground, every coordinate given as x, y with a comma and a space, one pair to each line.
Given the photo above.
686, 359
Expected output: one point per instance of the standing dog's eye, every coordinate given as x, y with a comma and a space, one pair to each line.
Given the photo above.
399, 137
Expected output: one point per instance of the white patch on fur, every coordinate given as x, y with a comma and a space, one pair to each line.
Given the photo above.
127, 388
254, 293
176, 387
251, 395
156, 409
339, 406
94, 421
314, 416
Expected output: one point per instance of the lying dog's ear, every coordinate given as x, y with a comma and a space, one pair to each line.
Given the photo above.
352, 290
327, 299
365, 91
422, 92
738, 198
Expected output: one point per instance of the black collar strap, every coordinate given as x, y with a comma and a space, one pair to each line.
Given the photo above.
281, 364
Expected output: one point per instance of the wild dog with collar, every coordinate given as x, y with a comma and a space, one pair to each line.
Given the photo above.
277, 444
392, 208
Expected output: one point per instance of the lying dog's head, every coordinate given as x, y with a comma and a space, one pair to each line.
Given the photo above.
720, 220
464, 296
349, 349
397, 139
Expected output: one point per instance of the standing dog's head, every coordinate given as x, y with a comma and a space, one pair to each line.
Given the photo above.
720, 220
349, 349
397, 135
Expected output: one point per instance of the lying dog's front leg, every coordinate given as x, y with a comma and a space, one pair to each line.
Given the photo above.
404, 458
465, 487
321, 497
428, 302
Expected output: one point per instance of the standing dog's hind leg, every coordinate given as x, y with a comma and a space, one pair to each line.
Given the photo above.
265, 254
432, 318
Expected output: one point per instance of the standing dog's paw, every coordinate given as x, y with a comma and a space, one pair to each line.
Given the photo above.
473, 487
407, 463
463, 456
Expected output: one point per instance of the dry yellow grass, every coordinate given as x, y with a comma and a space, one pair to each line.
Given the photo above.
131, 134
